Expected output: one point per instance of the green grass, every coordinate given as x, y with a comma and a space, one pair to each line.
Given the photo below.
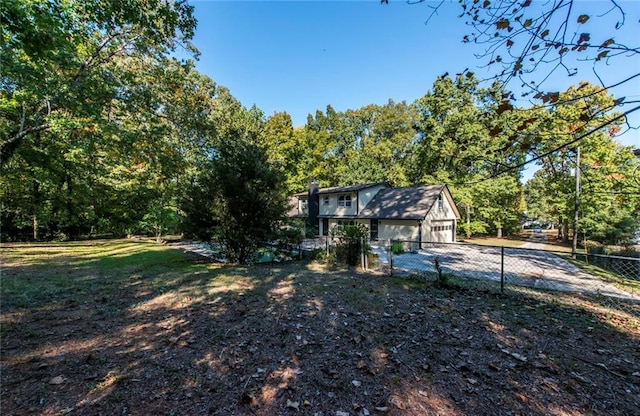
72, 272
629, 285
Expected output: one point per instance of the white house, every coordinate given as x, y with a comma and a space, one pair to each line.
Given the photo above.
418, 213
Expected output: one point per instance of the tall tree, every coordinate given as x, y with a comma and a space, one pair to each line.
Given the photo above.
64, 62
609, 198
466, 134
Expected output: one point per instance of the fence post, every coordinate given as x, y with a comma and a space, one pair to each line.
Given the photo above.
366, 259
326, 245
390, 258
362, 253
365, 253
502, 269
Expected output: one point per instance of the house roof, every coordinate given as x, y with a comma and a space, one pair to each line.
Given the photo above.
412, 203
292, 205
345, 189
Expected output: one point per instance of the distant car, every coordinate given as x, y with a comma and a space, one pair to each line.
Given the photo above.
537, 229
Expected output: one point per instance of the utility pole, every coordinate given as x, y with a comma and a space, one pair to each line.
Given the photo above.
576, 207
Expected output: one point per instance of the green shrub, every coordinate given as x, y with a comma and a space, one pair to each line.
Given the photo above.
350, 240
593, 247
397, 247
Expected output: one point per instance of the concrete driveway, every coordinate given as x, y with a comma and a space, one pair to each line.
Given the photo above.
523, 267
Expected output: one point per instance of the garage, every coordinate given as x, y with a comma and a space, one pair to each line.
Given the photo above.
441, 232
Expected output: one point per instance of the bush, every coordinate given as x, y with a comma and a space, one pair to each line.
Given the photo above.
291, 234
593, 247
397, 248
350, 240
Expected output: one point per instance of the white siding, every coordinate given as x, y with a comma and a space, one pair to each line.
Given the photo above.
334, 209
444, 213
398, 230
438, 216
303, 207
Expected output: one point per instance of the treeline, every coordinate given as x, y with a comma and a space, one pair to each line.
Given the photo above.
105, 132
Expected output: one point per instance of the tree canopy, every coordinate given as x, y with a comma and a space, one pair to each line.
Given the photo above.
106, 132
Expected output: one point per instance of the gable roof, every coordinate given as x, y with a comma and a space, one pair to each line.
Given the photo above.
345, 189
412, 203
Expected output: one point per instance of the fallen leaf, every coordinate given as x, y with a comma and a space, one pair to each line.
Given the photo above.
293, 405
341, 413
519, 357
382, 409
356, 383
57, 380
397, 402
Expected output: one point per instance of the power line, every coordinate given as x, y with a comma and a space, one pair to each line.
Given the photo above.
569, 143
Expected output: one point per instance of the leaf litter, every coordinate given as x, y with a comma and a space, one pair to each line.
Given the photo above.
301, 339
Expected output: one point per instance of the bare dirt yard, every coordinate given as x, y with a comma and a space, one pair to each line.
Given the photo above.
133, 328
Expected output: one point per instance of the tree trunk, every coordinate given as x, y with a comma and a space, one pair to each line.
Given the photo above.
36, 205
565, 231
500, 232
35, 227
468, 222
72, 225
560, 228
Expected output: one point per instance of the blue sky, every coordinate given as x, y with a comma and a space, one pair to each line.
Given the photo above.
299, 56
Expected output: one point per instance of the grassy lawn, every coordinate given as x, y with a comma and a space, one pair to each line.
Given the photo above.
549, 242
124, 327
629, 285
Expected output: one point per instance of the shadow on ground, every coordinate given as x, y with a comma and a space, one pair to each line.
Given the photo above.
133, 328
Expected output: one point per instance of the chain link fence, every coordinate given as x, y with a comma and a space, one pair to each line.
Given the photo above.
614, 281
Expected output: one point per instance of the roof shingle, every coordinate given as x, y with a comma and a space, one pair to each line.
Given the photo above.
412, 203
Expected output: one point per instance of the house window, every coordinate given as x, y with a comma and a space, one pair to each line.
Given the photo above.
344, 201
304, 204
325, 200
440, 203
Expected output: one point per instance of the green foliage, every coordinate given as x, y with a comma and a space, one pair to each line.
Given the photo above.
291, 233
65, 63
609, 200
246, 194
473, 228
94, 113
352, 242
160, 219
466, 134
397, 247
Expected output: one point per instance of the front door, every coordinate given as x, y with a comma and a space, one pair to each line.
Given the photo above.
325, 226
373, 229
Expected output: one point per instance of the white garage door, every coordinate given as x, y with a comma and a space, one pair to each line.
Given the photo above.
442, 231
